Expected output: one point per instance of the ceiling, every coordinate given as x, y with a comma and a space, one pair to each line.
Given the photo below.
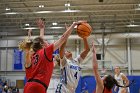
110, 16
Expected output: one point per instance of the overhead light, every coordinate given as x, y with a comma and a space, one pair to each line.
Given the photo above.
27, 24
132, 25
71, 10
30, 28
56, 27
41, 12
138, 8
54, 24
11, 13
41, 6
7, 9
131, 35
67, 10
67, 4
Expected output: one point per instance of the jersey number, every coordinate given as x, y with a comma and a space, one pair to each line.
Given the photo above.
36, 58
75, 75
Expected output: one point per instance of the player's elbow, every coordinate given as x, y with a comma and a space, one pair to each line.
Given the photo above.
87, 50
127, 81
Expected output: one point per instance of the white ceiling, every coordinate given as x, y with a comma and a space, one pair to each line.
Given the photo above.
110, 16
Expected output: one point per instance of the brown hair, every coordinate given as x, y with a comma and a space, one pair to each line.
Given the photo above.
37, 43
25, 44
109, 82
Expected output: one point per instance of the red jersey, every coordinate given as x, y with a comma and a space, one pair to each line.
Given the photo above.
41, 65
105, 90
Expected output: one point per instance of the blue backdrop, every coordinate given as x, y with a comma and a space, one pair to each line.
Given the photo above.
87, 83
18, 59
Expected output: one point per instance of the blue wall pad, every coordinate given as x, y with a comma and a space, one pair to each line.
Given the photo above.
87, 83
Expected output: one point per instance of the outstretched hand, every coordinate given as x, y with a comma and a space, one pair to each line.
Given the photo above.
41, 23
29, 32
79, 22
95, 64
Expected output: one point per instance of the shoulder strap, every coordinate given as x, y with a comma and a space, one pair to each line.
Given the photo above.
47, 57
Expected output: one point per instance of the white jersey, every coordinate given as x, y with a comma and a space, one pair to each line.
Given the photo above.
70, 75
119, 79
120, 82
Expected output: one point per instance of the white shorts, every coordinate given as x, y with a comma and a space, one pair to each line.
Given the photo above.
120, 89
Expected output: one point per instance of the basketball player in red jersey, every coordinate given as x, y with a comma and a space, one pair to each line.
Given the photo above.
106, 84
39, 66
41, 24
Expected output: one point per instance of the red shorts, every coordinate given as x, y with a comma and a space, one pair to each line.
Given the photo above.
34, 87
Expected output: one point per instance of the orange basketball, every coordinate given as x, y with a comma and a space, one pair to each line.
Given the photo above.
84, 30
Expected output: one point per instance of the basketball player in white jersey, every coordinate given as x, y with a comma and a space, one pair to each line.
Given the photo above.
70, 69
122, 80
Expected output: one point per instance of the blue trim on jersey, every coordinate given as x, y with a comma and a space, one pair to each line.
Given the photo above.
64, 75
58, 89
75, 67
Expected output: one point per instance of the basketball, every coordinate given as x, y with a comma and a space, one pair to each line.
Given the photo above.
84, 30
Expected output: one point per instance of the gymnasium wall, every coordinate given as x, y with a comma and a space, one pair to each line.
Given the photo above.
115, 51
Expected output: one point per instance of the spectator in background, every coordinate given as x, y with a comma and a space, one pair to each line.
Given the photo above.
15, 90
1, 88
10, 90
5, 88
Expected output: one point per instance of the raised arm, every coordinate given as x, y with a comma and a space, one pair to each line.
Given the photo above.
99, 81
29, 33
62, 50
62, 53
41, 25
62, 47
26, 43
65, 36
27, 58
28, 50
86, 49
